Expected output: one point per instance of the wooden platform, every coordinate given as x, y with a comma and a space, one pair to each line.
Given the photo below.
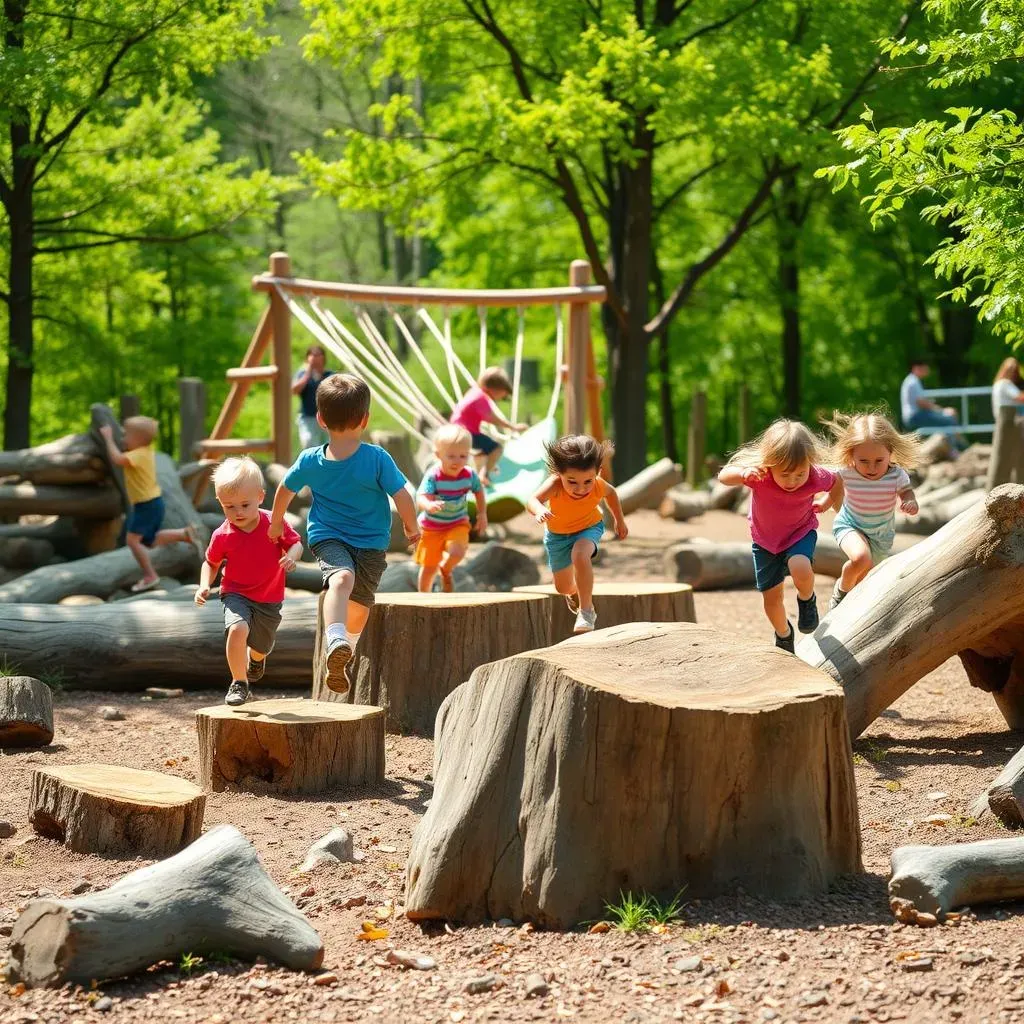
290, 745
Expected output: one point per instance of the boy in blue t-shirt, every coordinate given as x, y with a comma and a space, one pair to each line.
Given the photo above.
350, 519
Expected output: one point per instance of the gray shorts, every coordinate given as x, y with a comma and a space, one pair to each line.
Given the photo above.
262, 620
366, 564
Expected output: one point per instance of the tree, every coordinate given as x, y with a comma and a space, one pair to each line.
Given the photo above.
107, 72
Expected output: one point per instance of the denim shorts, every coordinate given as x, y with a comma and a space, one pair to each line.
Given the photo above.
771, 569
559, 545
261, 618
146, 519
367, 565
484, 443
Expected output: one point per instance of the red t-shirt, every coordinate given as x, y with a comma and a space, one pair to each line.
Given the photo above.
779, 518
251, 559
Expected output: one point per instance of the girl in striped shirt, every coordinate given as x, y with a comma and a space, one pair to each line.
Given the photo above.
872, 458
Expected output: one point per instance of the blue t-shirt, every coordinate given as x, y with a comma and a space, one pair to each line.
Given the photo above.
350, 496
910, 391
307, 396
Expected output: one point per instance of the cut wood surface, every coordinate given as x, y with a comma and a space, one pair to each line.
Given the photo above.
68, 460
290, 746
213, 897
129, 646
646, 489
681, 504
646, 757
115, 811
26, 712
616, 603
1005, 797
956, 591
938, 879
416, 648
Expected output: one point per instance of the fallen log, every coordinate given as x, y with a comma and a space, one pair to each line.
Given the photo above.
497, 567
83, 501
936, 514
725, 497
26, 712
212, 897
25, 552
646, 489
195, 478
682, 504
68, 460
274, 474
398, 444
1005, 796
935, 448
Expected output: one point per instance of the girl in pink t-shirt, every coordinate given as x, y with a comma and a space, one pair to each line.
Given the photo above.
477, 407
782, 469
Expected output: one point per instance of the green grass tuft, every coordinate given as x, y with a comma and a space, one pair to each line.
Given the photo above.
639, 913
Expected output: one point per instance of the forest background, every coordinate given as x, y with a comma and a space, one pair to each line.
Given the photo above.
154, 152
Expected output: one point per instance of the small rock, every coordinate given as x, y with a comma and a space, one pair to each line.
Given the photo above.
6, 830
103, 1004
329, 978
782, 956
506, 922
477, 986
164, 693
813, 999
971, 959
767, 1013
81, 886
6, 929
939, 818
111, 714
335, 848
917, 963
690, 963
414, 961
536, 986
937, 795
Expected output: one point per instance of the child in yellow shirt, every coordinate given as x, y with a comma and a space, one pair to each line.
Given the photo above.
138, 460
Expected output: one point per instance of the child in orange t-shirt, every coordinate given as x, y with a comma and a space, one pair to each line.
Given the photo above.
572, 519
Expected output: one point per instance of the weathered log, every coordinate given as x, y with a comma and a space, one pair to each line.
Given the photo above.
25, 552
68, 460
416, 648
290, 746
618, 603
725, 497
936, 514
100, 416
26, 712
115, 811
1005, 796
129, 646
398, 444
955, 591
935, 448
938, 879
497, 567
646, 757
102, 574
1006, 448
84, 501
274, 474
945, 491
195, 478
212, 897
682, 504
646, 489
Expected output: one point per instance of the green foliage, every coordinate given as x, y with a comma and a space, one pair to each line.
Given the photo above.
641, 912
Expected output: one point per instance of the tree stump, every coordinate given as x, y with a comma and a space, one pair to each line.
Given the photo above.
649, 756
115, 811
26, 712
417, 648
617, 603
290, 746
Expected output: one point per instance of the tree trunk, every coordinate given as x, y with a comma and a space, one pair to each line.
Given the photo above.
26, 712
550, 765
68, 460
115, 811
648, 487
213, 897
290, 746
788, 222
668, 417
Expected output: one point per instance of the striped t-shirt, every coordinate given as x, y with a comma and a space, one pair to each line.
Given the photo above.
453, 491
872, 503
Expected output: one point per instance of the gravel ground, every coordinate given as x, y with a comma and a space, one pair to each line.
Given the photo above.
732, 959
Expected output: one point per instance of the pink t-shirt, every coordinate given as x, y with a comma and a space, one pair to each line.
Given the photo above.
472, 409
251, 559
779, 518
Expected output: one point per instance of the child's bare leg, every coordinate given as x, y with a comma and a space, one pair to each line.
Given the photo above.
236, 648
425, 581
139, 550
355, 620
493, 458
564, 581
452, 557
339, 588
803, 575
165, 537
858, 563
775, 609
583, 570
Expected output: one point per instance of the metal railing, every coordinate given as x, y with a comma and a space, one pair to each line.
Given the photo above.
965, 426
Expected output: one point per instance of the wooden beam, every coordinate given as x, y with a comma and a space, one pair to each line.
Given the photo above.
239, 389
252, 373
236, 445
576, 353
281, 323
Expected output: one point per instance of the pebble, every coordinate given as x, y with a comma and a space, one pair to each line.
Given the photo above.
917, 963
80, 886
334, 848
326, 979
690, 963
971, 959
813, 999
6, 830
164, 693
414, 961
536, 986
485, 983
939, 818
103, 1004
767, 1013
506, 922
111, 714
782, 956
937, 795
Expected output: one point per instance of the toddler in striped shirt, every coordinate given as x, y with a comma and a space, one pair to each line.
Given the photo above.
444, 515
872, 458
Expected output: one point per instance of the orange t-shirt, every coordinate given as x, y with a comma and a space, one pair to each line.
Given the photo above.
570, 515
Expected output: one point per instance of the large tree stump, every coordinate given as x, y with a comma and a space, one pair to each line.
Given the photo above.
650, 756
213, 897
107, 809
957, 591
290, 746
617, 603
26, 712
417, 648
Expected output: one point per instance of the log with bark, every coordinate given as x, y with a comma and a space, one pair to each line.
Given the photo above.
957, 591
115, 811
68, 460
681, 504
146, 643
617, 603
1005, 796
398, 444
498, 567
289, 746
83, 501
214, 896
935, 448
725, 496
648, 487
937, 879
25, 552
646, 757
935, 514
416, 648
195, 478
274, 474
26, 712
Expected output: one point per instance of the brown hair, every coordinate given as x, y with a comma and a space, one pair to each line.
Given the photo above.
343, 401
786, 444
850, 431
1009, 369
144, 426
316, 350
577, 451
495, 378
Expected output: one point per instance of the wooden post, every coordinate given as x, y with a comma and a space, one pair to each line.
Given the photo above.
281, 325
696, 438
1006, 444
743, 420
576, 352
191, 415
130, 406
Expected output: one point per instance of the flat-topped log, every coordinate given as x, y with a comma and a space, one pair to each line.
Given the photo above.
646, 757
617, 603
416, 648
290, 746
115, 811
26, 712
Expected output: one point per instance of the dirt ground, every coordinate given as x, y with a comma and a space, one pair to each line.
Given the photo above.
732, 959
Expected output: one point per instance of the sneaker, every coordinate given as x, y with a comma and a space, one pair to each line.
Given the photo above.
238, 693
585, 621
786, 643
339, 654
837, 597
573, 601
807, 620
254, 669
447, 586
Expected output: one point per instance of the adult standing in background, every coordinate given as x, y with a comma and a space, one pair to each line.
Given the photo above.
1006, 388
304, 384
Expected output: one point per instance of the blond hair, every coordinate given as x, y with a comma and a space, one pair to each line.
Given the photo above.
786, 445
144, 426
236, 473
1009, 369
450, 435
850, 431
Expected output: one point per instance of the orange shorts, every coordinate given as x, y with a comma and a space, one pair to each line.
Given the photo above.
434, 543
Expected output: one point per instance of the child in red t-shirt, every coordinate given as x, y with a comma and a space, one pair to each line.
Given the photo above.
252, 587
